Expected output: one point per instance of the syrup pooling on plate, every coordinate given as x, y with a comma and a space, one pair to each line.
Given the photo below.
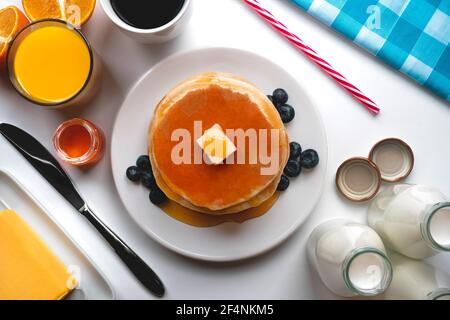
197, 219
142, 172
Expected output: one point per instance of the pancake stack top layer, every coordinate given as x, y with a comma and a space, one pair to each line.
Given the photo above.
233, 103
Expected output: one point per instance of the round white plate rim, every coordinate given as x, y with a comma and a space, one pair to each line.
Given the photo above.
277, 241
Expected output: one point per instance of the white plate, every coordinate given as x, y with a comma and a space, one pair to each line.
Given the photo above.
228, 241
92, 283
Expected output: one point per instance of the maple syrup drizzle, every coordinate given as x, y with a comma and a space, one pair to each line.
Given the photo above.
202, 220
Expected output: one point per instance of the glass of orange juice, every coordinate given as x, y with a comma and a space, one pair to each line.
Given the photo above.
52, 64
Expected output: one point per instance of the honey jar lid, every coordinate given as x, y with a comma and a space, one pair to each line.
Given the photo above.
394, 158
358, 179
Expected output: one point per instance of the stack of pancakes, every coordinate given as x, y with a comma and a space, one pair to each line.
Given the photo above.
233, 103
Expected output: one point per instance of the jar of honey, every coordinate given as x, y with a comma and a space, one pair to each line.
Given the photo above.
79, 142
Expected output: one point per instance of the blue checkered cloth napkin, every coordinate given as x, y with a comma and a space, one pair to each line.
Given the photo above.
411, 35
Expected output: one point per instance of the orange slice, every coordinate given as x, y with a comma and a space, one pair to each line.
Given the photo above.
11, 21
41, 9
76, 12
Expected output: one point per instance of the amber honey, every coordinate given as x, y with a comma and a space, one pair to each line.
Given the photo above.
79, 142
201, 220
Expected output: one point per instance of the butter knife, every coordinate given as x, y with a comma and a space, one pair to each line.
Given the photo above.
41, 159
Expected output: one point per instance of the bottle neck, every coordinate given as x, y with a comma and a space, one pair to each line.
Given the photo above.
367, 271
440, 294
435, 226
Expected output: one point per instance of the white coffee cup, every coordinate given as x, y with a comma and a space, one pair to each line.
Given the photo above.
156, 35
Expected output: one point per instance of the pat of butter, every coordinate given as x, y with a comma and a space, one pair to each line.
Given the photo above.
216, 145
28, 269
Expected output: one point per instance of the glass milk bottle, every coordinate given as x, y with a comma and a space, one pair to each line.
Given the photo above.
412, 219
350, 258
416, 280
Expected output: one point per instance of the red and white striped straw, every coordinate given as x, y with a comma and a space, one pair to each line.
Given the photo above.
312, 55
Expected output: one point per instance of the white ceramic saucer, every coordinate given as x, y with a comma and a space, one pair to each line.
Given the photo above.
229, 241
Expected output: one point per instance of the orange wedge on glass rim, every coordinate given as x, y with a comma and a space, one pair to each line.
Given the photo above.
12, 20
75, 12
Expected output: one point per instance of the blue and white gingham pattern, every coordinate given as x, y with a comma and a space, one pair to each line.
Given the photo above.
413, 36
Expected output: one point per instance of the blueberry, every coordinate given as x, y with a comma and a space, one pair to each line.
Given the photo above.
280, 97
270, 98
295, 150
283, 184
148, 181
293, 168
134, 173
157, 197
287, 113
143, 162
309, 159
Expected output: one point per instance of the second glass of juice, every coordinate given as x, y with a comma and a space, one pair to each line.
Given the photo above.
51, 63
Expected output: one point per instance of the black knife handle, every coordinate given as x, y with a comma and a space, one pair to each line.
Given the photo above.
139, 268
42, 160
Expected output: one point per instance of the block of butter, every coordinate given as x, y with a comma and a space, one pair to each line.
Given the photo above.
216, 145
28, 268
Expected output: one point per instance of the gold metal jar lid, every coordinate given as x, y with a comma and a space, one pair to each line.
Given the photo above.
358, 179
394, 158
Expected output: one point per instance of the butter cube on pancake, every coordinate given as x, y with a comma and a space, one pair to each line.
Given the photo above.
216, 145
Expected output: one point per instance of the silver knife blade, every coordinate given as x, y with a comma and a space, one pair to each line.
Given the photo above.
46, 164
41, 159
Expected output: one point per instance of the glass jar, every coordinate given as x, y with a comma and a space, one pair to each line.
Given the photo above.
51, 63
416, 280
350, 258
79, 142
413, 220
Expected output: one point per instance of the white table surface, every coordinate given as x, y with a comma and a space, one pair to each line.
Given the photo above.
408, 111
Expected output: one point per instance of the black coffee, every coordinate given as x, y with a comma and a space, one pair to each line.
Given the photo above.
147, 14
